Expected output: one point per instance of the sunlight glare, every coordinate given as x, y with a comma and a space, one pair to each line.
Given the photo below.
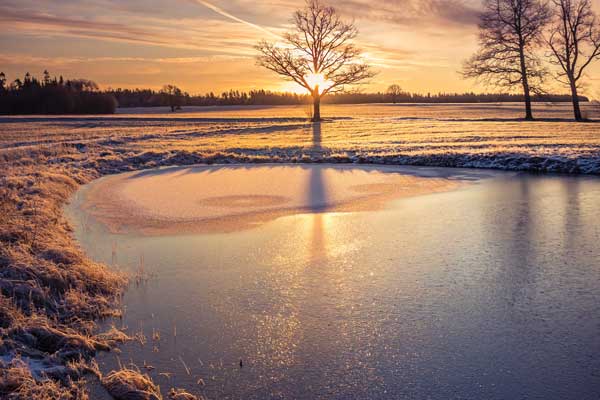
317, 79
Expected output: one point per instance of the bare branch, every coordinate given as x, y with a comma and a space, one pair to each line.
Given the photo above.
574, 43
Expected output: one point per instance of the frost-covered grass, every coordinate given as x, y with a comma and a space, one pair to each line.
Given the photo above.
50, 292
481, 136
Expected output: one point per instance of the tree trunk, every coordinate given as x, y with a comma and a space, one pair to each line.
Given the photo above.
575, 100
526, 89
316, 105
528, 112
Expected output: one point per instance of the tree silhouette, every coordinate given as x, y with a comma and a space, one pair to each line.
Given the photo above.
83, 85
319, 53
27, 80
2, 82
46, 78
510, 32
394, 92
575, 42
16, 85
174, 96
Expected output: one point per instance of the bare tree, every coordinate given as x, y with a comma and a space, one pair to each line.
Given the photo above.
83, 85
173, 95
318, 54
510, 32
394, 91
575, 43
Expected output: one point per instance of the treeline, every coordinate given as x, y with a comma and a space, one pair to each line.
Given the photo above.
53, 96
406, 97
80, 96
175, 98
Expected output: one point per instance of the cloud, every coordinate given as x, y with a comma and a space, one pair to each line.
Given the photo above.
224, 13
401, 12
210, 36
412, 13
16, 59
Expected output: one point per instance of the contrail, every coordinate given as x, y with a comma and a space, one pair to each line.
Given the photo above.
233, 17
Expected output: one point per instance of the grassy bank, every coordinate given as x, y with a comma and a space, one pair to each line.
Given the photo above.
50, 293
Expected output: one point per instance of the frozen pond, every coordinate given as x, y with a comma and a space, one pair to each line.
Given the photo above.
354, 282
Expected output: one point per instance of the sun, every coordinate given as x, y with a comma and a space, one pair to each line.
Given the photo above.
315, 80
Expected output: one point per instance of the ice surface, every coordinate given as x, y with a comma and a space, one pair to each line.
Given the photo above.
489, 291
228, 198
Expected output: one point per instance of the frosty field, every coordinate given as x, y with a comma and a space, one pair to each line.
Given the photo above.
476, 135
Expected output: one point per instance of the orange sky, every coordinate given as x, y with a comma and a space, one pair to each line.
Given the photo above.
208, 45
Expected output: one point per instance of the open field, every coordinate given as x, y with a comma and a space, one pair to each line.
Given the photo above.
482, 136
52, 293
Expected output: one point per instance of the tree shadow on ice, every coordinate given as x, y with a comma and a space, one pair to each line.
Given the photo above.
318, 200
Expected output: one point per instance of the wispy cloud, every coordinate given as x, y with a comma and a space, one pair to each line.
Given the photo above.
413, 12
16, 58
224, 13
182, 34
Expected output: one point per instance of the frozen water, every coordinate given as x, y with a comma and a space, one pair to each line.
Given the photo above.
486, 291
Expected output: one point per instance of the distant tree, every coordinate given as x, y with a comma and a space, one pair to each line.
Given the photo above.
510, 33
574, 42
2, 82
394, 92
84, 85
27, 80
47, 79
16, 84
174, 96
319, 54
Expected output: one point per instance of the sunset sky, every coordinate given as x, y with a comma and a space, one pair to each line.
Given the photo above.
208, 45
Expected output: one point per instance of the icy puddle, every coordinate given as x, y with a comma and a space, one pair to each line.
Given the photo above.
354, 282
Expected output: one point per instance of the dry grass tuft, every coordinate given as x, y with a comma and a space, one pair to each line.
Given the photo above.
114, 336
17, 383
180, 394
128, 384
